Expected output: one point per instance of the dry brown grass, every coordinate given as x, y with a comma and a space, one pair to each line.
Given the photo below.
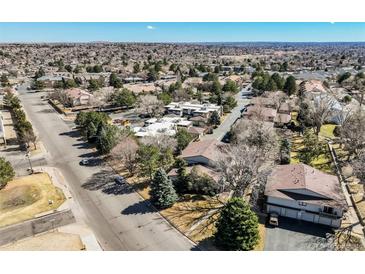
194, 215
51, 241
25, 197
348, 242
261, 244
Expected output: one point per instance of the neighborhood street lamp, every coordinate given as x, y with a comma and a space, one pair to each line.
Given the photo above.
30, 164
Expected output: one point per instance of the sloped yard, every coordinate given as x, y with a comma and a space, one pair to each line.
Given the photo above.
25, 197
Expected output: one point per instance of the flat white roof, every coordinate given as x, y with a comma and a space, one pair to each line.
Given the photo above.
188, 105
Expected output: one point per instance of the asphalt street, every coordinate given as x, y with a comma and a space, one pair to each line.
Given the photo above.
118, 216
232, 117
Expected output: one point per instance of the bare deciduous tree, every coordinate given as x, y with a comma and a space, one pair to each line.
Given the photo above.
239, 167
359, 169
181, 95
360, 86
254, 145
126, 151
321, 110
359, 166
353, 133
61, 96
277, 97
149, 104
257, 134
162, 141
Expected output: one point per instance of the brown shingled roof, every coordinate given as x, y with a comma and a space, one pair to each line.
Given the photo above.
207, 148
287, 178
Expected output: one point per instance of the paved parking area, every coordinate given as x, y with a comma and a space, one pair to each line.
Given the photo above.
294, 235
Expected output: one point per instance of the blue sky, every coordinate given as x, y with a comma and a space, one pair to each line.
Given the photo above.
181, 32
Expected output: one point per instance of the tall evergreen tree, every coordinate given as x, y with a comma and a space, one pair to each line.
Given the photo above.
215, 119
290, 86
6, 172
237, 226
163, 194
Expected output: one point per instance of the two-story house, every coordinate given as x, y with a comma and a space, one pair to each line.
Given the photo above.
301, 192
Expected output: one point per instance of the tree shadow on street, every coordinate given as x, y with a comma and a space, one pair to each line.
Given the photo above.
141, 185
83, 145
104, 181
205, 245
142, 207
90, 154
71, 133
46, 111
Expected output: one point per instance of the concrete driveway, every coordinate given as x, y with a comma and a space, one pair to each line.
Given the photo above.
294, 235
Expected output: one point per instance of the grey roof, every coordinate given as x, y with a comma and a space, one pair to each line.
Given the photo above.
50, 78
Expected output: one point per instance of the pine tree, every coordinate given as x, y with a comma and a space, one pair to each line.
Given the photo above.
163, 194
237, 226
290, 86
6, 172
215, 119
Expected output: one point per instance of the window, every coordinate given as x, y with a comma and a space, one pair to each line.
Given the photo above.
328, 210
302, 203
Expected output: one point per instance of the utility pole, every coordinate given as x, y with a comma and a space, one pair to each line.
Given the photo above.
30, 163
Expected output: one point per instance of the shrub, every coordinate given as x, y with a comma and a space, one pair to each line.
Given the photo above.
337, 131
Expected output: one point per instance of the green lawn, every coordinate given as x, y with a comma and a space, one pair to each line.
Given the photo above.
327, 131
323, 162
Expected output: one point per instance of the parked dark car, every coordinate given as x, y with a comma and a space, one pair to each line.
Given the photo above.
84, 162
119, 180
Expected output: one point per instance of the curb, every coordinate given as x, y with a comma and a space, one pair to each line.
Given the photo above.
343, 183
158, 212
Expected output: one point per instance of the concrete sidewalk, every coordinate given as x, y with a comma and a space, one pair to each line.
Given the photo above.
80, 227
351, 217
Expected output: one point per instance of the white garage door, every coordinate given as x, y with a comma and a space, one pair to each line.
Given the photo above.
309, 217
291, 213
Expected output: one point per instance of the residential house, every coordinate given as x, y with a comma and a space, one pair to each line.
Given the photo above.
301, 192
165, 125
193, 109
204, 152
78, 97
264, 102
197, 132
50, 81
312, 86
264, 109
199, 121
258, 112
